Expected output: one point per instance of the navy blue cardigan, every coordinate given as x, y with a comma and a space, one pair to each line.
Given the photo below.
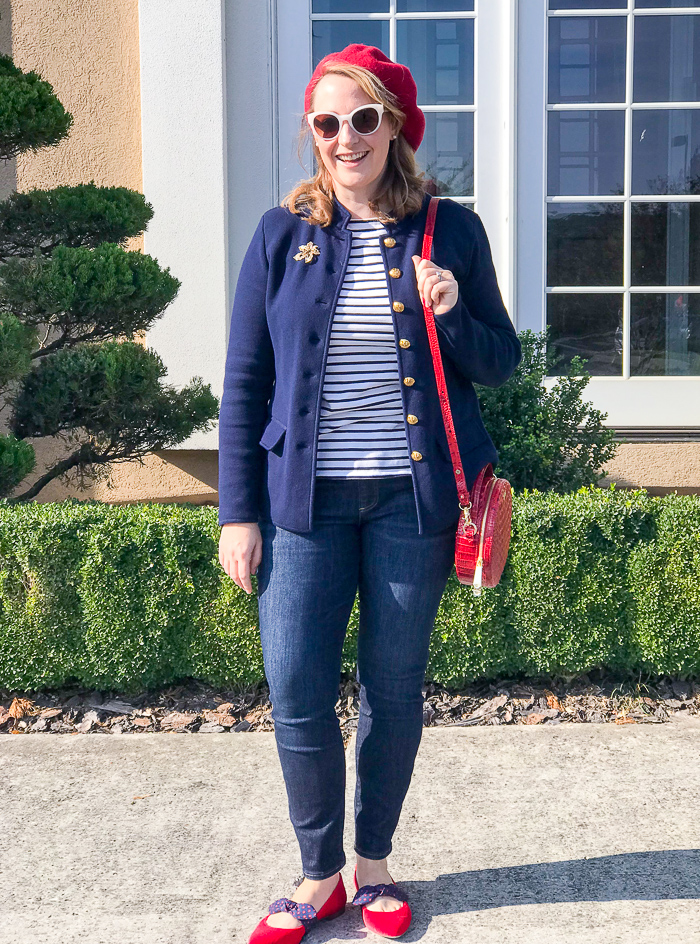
280, 328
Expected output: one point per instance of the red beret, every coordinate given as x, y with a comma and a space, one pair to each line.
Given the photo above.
393, 75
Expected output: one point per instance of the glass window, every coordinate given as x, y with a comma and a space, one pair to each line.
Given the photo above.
665, 243
666, 150
350, 6
334, 35
434, 6
587, 4
588, 156
587, 58
447, 152
666, 58
584, 244
585, 153
646, 4
665, 334
588, 324
440, 55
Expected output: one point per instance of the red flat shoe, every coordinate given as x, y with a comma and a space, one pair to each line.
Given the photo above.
387, 923
307, 914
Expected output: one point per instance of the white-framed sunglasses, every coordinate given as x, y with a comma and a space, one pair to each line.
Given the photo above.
364, 120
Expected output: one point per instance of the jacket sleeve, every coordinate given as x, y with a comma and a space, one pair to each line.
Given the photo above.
477, 333
248, 382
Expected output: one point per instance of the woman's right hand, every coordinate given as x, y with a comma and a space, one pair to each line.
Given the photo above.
240, 552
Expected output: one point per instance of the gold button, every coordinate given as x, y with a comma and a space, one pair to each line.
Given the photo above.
389, 241
412, 419
395, 273
397, 306
416, 455
409, 381
404, 342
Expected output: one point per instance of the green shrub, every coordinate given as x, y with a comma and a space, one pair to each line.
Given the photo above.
547, 439
121, 598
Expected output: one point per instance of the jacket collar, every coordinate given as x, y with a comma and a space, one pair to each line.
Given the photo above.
342, 216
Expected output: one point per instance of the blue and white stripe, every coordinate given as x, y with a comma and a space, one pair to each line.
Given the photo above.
361, 426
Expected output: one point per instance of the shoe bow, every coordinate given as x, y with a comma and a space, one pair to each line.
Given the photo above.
299, 909
368, 893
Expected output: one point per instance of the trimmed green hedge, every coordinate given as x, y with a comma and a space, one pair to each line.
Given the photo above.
122, 598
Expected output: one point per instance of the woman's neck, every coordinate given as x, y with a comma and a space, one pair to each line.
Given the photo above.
358, 208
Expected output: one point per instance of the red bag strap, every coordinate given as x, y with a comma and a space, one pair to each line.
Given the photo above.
462, 490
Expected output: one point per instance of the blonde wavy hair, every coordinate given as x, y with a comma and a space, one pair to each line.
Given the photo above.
401, 188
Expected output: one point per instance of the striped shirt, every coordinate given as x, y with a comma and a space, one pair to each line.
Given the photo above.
361, 424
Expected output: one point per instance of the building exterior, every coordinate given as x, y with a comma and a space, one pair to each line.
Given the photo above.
571, 126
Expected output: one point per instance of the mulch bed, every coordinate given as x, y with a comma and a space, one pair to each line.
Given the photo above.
195, 707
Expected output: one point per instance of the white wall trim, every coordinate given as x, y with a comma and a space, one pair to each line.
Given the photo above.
184, 154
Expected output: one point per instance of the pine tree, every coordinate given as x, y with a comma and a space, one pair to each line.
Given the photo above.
71, 300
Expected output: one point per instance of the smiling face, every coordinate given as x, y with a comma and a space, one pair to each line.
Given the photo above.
354, 180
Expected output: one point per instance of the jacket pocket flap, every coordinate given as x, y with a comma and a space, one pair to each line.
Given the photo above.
273, 433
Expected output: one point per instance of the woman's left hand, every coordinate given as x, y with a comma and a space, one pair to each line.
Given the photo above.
436, 286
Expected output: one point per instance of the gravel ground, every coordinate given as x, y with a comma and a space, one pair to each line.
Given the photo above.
193, 706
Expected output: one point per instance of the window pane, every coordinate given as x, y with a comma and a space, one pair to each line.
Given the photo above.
587, 59
589, 325
440, 55
665, 334
585, 153
588, 4
666, 243
334, 35
666, 58
447, 153
645, 4
350, 6
666, 150
434, 6
584, 243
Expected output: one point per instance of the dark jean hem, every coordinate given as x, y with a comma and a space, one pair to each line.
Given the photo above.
372, 855
319, 876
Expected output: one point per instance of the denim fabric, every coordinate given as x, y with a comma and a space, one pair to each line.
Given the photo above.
364, 536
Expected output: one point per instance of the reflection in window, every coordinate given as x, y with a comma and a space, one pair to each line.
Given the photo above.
585, 153
587, 58
666, 150
588, 4
666, 58
587, 324
447, 153
584, 244
440, 55
334, 35
665, 243
665, 334
646, 4
350, 6
434, 6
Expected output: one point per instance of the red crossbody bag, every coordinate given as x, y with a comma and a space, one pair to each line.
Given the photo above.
484, 528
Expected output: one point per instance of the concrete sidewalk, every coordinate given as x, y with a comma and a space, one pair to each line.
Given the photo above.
566, 834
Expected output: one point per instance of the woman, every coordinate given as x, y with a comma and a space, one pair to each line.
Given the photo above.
334, 468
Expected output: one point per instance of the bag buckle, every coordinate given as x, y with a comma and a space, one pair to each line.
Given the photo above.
467, 517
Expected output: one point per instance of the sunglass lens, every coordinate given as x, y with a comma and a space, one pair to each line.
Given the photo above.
366, 121
326, 125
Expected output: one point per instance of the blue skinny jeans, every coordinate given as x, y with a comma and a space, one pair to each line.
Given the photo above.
364, 536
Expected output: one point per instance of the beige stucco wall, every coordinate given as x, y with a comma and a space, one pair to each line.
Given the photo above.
89, 51
657, 466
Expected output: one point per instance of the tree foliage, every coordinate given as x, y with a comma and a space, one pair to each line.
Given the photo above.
548, 437
72, 297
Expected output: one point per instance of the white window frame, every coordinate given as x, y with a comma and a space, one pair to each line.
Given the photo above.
663, 401
494, 98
